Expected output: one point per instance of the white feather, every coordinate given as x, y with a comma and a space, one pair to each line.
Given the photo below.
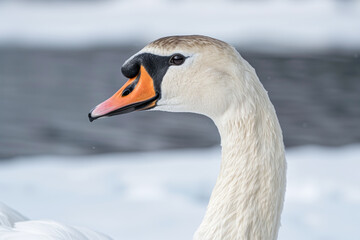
8, 216
14, 226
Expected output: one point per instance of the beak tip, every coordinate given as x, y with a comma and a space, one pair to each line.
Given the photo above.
90, 117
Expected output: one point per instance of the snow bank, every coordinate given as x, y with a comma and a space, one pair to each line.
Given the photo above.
163, 195
258, 25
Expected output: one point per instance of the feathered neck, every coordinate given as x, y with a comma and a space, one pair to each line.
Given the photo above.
247, 200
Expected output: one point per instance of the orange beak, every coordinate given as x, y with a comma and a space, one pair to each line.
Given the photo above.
137, 94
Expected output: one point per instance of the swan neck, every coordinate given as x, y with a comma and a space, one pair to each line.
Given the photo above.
247, 199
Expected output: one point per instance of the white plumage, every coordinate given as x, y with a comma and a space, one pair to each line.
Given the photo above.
14, 226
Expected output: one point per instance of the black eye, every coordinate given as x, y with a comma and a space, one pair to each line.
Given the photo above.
177, 59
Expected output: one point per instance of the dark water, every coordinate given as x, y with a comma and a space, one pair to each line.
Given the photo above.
45, 96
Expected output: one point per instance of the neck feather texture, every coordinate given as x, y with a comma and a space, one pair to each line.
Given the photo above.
247, 200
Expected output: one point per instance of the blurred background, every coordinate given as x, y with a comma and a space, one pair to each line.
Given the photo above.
60, 58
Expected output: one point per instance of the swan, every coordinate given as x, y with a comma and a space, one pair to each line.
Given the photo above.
207, 76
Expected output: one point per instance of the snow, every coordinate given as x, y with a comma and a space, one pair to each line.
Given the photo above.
163, 195
279, 25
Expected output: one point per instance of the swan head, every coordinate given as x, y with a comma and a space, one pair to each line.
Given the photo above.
179, 74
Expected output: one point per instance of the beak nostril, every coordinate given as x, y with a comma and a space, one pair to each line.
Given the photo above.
127, 91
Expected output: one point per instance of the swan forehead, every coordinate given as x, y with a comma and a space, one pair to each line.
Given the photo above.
184, 44
187, 42
188, 46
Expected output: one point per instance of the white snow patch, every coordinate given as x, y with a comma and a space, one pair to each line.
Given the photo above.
259, 25
163, 195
